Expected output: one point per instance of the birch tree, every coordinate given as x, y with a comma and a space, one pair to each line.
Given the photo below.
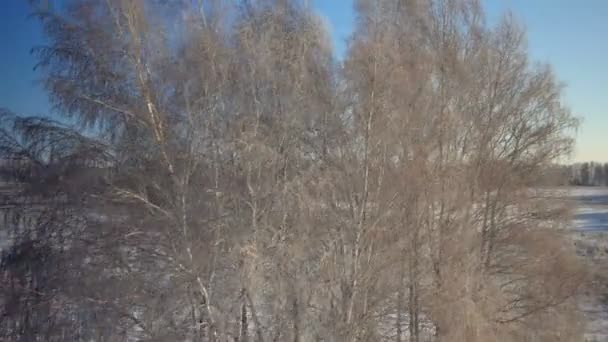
241, 184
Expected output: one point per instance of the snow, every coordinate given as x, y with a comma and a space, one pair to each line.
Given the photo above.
590, 235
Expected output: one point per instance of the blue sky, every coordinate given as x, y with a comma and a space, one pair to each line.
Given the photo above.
571, 35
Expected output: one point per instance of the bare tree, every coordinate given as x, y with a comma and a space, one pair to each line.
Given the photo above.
242, 185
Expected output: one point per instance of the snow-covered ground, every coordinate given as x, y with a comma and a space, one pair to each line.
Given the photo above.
590, 234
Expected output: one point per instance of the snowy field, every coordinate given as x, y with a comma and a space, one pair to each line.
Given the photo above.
590, 233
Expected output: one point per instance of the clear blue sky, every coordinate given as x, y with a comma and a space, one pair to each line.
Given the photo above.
571, 35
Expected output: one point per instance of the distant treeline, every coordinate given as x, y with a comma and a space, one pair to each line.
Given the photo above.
588, 174
580, 174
